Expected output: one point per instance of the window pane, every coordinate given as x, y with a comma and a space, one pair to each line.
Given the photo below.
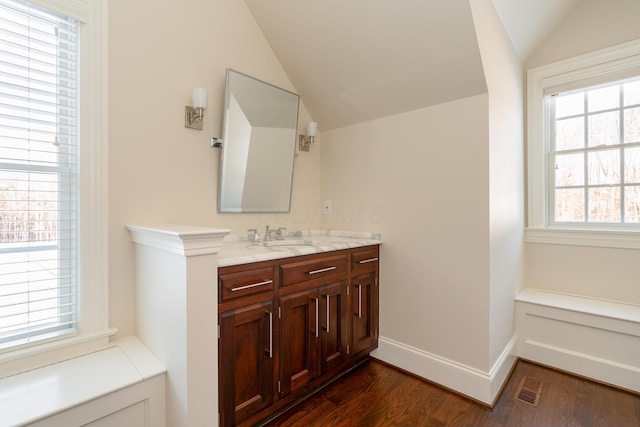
604, 98
569, 206
604, 204
632, 125
604, 129
569, 134
604, 167
569, 105
569, 170
38, 173
632, 165
632, 93
632, 204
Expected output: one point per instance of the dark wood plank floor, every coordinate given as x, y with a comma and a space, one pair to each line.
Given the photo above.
377, 395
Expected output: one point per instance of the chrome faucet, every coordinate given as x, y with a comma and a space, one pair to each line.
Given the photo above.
267, 234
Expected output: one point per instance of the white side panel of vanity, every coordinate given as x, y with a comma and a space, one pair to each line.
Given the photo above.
176, 303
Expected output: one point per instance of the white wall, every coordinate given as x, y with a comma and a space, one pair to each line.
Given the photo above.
444, 186
590, 271
160, 171
503, 72
592, 25
422, 180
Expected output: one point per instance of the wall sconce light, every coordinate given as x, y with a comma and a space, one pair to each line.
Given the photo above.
304, 141
193, 115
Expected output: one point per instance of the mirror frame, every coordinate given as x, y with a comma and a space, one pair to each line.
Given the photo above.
224, 146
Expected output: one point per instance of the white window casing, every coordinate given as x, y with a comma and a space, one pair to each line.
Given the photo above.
616, 63
93, 330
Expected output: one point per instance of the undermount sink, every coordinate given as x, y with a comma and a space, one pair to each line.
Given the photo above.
328, 242
286, 242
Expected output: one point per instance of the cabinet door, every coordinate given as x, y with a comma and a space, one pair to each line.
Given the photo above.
299, 332
364, 297
334, 332
246, 362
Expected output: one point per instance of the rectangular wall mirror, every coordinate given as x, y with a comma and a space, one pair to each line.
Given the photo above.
258, 149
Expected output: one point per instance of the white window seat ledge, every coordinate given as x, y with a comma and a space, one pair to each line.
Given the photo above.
96, 389
592, 337
599, 307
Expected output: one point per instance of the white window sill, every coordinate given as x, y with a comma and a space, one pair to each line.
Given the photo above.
13, 362
581, 237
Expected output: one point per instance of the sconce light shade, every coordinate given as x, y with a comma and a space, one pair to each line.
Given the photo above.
305, 141
193, 115
199, 97
312, 129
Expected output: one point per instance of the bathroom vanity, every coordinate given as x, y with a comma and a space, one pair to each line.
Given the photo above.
290, 324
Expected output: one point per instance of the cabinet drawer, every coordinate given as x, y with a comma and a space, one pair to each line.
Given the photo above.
316, 268
365, 261
247, 282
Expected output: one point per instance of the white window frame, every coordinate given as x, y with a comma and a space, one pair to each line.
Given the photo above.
93, 326
608, 64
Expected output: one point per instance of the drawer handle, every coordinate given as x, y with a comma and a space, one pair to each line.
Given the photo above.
359, 314
364, 261
322, 270
241, 288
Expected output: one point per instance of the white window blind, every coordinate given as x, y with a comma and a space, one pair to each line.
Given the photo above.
38, 174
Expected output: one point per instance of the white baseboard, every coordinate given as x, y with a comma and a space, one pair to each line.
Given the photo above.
593, 338
476, 384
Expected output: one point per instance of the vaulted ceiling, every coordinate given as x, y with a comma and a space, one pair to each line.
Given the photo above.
357, 60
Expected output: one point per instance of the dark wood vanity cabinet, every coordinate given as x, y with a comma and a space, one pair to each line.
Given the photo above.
364, 297
290, 325
313, 301
246, 354
313, 337
246, 361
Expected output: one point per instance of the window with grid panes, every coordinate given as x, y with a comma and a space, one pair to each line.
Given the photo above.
595, 155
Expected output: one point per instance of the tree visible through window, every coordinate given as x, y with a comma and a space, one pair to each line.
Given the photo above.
38, 173
595, 154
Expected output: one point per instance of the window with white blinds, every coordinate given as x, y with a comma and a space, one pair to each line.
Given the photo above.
38, 174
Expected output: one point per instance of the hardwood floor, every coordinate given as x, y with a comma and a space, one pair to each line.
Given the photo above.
377, 395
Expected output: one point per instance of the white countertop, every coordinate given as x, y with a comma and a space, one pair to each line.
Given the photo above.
239, 250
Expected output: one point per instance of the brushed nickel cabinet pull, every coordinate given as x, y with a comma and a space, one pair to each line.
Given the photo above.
359, 301
270, 335
328, 311
316, 301
322, 270
241, 288
364, 261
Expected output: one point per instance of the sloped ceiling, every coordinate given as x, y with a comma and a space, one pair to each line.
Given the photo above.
357, 60
528, 23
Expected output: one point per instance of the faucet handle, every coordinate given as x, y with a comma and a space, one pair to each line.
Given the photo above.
281, 233
253, 235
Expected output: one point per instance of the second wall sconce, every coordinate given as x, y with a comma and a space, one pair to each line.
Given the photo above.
304, 141
193, 116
